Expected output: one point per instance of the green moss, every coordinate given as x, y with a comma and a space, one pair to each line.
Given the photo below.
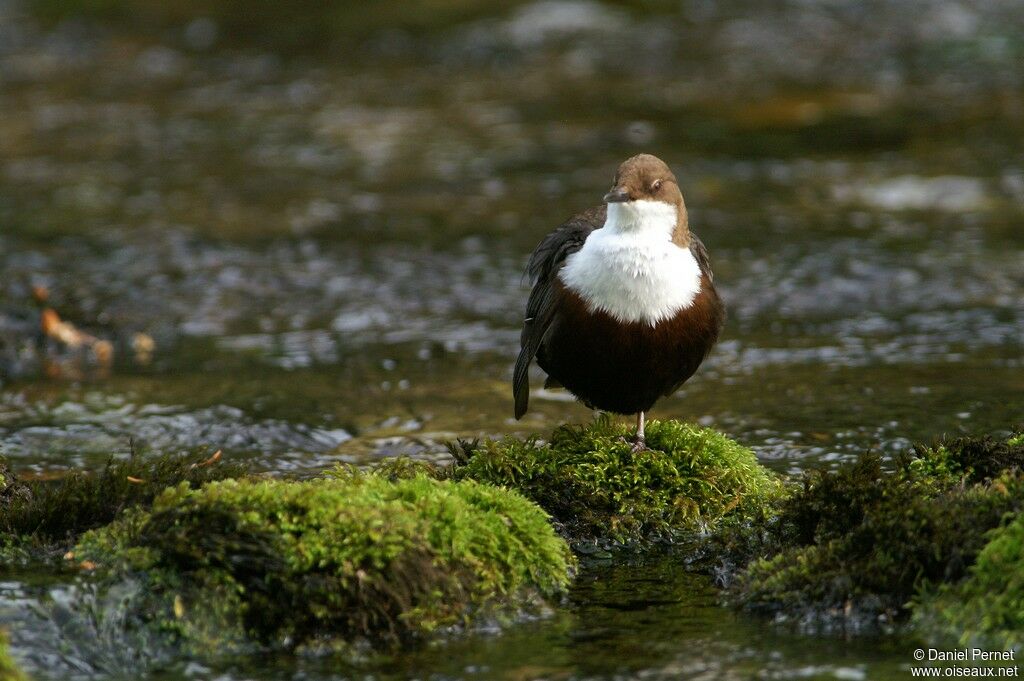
857, 544
351, 558
588, 478
973, 458
986, 609
391, 468
8, 669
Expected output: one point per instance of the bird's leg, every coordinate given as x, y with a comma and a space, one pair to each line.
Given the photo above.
639, 444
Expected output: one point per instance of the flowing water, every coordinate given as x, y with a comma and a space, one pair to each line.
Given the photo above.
325, 245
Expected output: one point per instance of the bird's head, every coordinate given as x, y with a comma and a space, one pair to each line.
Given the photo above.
645, 192
644, 178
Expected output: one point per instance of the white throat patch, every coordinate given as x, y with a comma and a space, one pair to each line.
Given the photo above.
631, 269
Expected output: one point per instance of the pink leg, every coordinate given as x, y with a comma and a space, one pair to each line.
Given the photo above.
639, 444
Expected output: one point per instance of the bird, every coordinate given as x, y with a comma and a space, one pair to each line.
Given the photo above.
623, 307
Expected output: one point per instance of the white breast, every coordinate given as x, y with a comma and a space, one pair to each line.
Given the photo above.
631, 269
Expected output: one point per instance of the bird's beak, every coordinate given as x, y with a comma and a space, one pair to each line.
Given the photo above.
616, 195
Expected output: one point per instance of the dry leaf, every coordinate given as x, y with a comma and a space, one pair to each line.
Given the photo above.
212, 460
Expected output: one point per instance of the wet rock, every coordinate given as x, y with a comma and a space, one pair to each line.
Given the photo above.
79, 430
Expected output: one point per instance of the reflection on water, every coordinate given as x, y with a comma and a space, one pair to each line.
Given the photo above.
326, 245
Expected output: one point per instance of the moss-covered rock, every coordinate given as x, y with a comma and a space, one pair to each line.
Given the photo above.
348, 559
595, 487
856, 545
987, 608
389, 556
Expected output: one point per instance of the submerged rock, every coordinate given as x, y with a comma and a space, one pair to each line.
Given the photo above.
356, 558
853, 548
597, 489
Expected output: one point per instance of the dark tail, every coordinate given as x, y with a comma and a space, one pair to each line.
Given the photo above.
540, 309
521, 382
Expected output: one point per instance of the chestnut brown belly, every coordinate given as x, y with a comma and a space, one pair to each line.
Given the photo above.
626, 367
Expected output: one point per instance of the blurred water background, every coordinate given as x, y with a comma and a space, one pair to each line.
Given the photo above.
299, 229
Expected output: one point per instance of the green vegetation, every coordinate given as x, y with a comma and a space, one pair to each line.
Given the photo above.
353, 558
595, 487
40, 518
382, 557
859, 543
987, 608
8, 669
386, 557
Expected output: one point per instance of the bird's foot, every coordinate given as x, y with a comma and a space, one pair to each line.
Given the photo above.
635, 445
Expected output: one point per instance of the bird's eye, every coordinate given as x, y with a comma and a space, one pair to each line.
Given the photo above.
656, 186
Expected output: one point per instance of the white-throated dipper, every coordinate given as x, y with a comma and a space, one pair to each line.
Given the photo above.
623, 309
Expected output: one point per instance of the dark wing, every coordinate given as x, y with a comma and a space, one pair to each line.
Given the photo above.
701, 254
544, 265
